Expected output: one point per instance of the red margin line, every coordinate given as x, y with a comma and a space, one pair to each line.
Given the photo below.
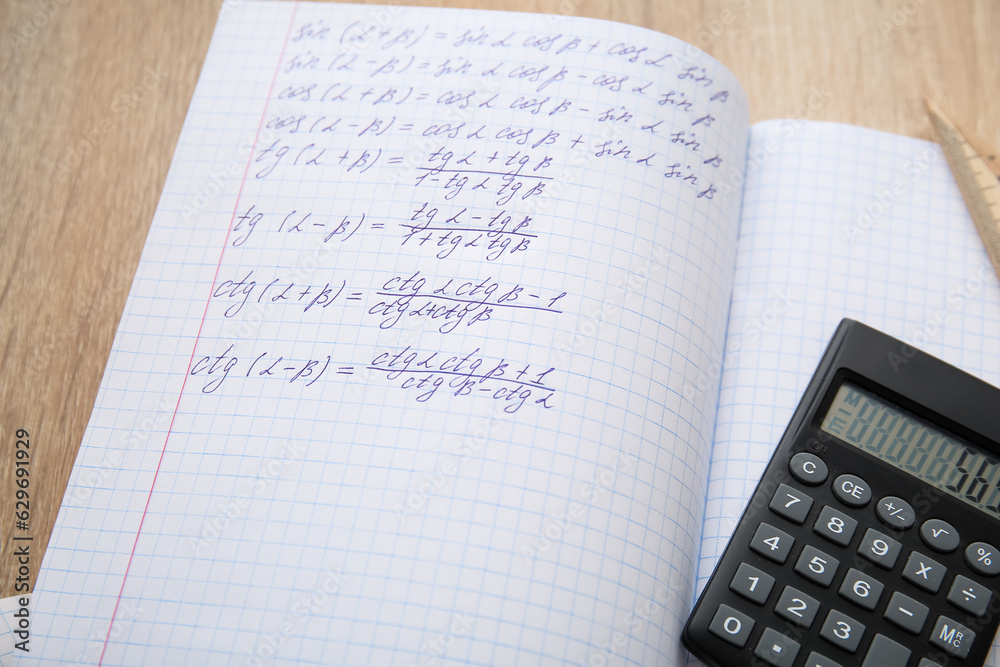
204, 314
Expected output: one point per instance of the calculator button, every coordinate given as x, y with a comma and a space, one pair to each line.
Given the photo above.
776, 649
751, 583
819, 660
808, 468
906, 612
772, 543
939, 535
895, 512
842, 631
797, 607
731, 626
791, 504
816, 566
983, 558
861, 589
852, 491
969, 596
923, 572
952, 637
835, 526
886, 653
924, 662
879, 548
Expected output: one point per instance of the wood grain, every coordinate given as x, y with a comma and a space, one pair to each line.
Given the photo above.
95, 93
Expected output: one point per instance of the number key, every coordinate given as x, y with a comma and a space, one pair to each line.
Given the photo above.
816, 566
791, 504
879, 549
861, 589
753, 584
797, 607
842, 631
835, 526
731, 626
772, 543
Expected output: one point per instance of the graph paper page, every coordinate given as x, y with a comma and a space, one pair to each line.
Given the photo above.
838, 221
400, 377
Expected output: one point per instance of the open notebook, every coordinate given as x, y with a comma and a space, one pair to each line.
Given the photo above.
461, 338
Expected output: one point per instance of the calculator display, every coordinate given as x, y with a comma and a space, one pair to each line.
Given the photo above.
914, 446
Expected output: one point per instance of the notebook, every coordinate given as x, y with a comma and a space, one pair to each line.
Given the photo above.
461, 337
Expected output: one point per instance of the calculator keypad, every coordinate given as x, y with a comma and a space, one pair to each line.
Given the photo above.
855, 585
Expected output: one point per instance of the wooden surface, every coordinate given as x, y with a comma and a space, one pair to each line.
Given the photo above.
94, 94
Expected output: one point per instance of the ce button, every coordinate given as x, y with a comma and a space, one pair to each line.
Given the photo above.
852, 490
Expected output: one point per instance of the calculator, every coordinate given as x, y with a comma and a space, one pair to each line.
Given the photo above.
873, 537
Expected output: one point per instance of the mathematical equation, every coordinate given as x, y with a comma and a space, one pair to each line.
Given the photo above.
505, 185
447, 304
421, 374
441, 231
426, 373
434, 172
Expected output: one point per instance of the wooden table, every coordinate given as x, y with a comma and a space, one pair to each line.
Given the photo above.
95, 93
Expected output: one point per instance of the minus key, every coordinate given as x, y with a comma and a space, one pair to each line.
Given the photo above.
906, 613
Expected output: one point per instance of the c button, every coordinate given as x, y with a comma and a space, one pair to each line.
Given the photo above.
808, 468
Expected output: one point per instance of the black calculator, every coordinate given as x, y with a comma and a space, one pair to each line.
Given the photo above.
873, 537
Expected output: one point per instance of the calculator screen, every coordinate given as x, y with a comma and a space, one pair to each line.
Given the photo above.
910, 444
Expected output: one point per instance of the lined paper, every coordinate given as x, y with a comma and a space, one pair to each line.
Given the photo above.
401, 377
838, 221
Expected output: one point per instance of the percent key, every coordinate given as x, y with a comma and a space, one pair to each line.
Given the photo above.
982, 558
